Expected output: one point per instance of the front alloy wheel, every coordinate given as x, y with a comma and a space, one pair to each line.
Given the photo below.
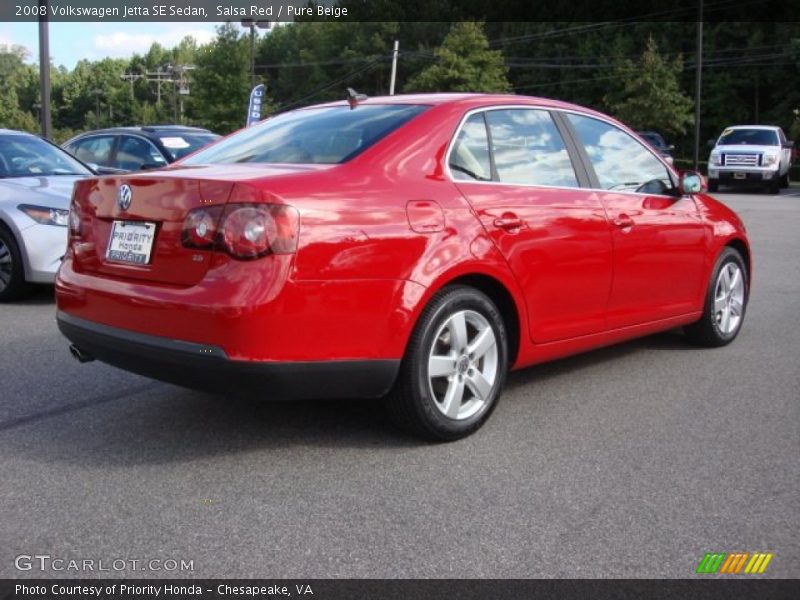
454, 368
729, 298
726, 302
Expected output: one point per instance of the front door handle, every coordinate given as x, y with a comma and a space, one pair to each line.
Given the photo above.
623, 221
509, 221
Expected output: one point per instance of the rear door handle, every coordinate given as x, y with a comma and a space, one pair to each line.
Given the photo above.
508, 221
623, 221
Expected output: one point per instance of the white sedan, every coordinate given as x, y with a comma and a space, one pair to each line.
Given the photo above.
36, 179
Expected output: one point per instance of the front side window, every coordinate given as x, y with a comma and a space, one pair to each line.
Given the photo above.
620, 161
528, 148
326, 135
134, 153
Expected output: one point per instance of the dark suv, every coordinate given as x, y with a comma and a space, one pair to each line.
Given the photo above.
656, 140
122, 149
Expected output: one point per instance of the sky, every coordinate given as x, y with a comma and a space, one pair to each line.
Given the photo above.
71, 42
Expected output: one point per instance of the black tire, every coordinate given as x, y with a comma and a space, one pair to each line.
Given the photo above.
413, 404
713, 185
774, 186
785, 182
12, 272
708, 331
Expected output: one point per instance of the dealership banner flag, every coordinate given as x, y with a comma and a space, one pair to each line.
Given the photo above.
256, 102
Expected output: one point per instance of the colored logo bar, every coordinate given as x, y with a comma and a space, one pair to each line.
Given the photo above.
734, 563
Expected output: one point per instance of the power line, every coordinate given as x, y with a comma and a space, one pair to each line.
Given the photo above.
328, 86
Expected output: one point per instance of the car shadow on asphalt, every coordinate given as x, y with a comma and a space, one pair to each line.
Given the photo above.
669, 340
156, 423
39, 295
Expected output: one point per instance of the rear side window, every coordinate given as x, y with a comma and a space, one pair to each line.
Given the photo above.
528, 148
469, 159
620, 162
312, 136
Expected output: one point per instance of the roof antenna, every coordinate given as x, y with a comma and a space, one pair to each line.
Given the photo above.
353, 98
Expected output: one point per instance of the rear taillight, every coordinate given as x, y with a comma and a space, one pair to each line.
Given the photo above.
200, 228
245, 231
74, 219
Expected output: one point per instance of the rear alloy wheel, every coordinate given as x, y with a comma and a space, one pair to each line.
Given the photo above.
12, 274
726, 303
454, 367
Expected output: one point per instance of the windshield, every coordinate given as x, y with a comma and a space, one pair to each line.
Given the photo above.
327, 135
182, 144
751, 137
29, 156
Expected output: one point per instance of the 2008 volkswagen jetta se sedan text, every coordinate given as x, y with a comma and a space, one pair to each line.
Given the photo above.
410, 247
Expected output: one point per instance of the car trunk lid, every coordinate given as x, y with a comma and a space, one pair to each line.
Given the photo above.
131, 226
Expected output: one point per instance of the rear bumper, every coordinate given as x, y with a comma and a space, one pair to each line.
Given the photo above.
208, 368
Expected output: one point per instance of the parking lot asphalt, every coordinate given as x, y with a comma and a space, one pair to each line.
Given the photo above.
630, 461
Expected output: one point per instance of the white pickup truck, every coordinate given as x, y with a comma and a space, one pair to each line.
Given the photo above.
751, 154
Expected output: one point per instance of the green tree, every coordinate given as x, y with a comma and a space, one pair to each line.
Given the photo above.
221, 81
17, 78
464, 63
650, 96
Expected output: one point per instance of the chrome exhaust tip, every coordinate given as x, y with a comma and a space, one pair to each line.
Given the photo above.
80, 355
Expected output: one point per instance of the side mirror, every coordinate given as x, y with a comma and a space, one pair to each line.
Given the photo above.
711, 143
789, 144
671, 147
691, 182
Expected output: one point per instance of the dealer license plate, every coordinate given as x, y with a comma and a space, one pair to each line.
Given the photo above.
740, 175
131, 242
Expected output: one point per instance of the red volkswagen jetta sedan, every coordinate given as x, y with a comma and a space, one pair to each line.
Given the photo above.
413, 247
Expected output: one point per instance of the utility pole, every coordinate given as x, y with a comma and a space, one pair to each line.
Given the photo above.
756, 95
394, 67
131, 77
252, 24
44, 68
698, 87
159, 78
97, 93
182, 88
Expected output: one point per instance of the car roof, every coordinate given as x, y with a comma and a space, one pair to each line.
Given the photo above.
15, 132
766, 127
468, 100
147, 129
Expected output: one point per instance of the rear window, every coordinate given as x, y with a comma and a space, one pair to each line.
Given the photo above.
752, 137
179, 145
327, 135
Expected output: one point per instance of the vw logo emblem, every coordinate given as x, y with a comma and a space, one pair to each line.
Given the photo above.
124, 196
